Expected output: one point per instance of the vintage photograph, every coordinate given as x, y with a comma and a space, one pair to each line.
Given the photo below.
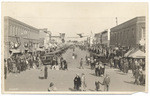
74, 47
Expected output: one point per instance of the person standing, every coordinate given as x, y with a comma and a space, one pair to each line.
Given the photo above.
137, 73
96, 68
83, 83
106, 82
97, 85
81, 63
5, 68
126, 66
77, 82
111, 63
61, 63
65, 65
45, 72
91, 61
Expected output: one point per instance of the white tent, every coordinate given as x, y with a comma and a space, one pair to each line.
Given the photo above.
128, 53
137, 54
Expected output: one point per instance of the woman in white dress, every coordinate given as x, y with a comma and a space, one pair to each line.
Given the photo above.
83, 83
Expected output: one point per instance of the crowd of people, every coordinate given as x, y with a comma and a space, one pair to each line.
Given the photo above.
115, 59
18, 62
21, 62
26, 61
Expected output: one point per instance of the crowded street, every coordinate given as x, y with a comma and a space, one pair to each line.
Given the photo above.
74, 48
63, 79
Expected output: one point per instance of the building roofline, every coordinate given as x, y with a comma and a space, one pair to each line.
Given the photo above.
128, 21
21, 22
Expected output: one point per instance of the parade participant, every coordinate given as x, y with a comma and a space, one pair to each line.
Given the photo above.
61, 63
137, 73
102, 69
142, 64
83, 83
130, 63
5, 68
106, 82
45, 72
18, 64
121, 64
9, 65
77, 82
94, 63
27, 63
53, 63
91, 61
136, 64
73, 56
52, 87
39, 61
88, 62
97, 85
111, 63
115, 62
142, 77
96, 69
57, 67
41, 74
65, 65
126, 66
14, 66
81, 63
86, 58
133, 67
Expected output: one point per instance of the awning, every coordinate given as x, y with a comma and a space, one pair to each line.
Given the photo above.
128, 53
15, 51
137, 54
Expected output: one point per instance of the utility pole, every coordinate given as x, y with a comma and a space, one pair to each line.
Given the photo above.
116, 21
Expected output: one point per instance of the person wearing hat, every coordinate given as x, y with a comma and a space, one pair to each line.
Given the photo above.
51, 87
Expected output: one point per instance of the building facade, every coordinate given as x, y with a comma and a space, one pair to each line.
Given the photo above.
97, 38
129, 33
19, 36
105, 37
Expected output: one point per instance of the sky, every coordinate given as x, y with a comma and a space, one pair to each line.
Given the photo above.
73, 18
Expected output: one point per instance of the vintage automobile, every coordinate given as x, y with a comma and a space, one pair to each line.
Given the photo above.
47, 59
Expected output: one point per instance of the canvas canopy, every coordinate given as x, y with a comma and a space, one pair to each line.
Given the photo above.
137, 54
128, 53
